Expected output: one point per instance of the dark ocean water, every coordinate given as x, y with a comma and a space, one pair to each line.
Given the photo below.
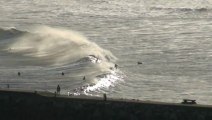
173, 40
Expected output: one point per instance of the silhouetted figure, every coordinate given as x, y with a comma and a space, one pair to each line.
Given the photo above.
58, 89
55, 94
8, 86
116, 66
139, 63
84, 78
19, 74
62, 73
105, 97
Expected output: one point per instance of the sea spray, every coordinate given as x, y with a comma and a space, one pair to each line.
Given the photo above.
57, 49
62, 45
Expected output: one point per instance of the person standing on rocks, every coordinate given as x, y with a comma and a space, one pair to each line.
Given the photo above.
58, 89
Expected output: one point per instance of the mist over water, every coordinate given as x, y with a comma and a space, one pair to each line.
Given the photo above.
60, 45
172, 39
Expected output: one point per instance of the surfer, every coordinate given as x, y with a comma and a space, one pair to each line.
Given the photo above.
116, 66
84, 78
19, 74
97, 59
139, 63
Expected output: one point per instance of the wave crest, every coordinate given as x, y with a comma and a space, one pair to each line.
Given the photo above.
62, 46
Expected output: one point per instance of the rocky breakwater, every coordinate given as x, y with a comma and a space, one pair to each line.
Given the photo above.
26, 105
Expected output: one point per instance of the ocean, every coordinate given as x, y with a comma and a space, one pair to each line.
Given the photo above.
157, 50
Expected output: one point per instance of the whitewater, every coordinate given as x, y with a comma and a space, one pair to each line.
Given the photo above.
77, 44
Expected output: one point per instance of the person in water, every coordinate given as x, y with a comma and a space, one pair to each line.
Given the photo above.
62, 73
84, 78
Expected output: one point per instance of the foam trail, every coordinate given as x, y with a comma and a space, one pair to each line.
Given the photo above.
105, 81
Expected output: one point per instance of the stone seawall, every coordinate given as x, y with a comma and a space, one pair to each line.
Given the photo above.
25, 105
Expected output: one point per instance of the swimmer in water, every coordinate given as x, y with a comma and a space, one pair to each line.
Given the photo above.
19, 74
62, 73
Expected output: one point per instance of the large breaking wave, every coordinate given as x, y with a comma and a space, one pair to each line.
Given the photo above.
57, 49
62, 46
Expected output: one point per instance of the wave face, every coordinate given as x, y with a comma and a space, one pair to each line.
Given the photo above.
46, 51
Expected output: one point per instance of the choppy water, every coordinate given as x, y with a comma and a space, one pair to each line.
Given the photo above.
172, 39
